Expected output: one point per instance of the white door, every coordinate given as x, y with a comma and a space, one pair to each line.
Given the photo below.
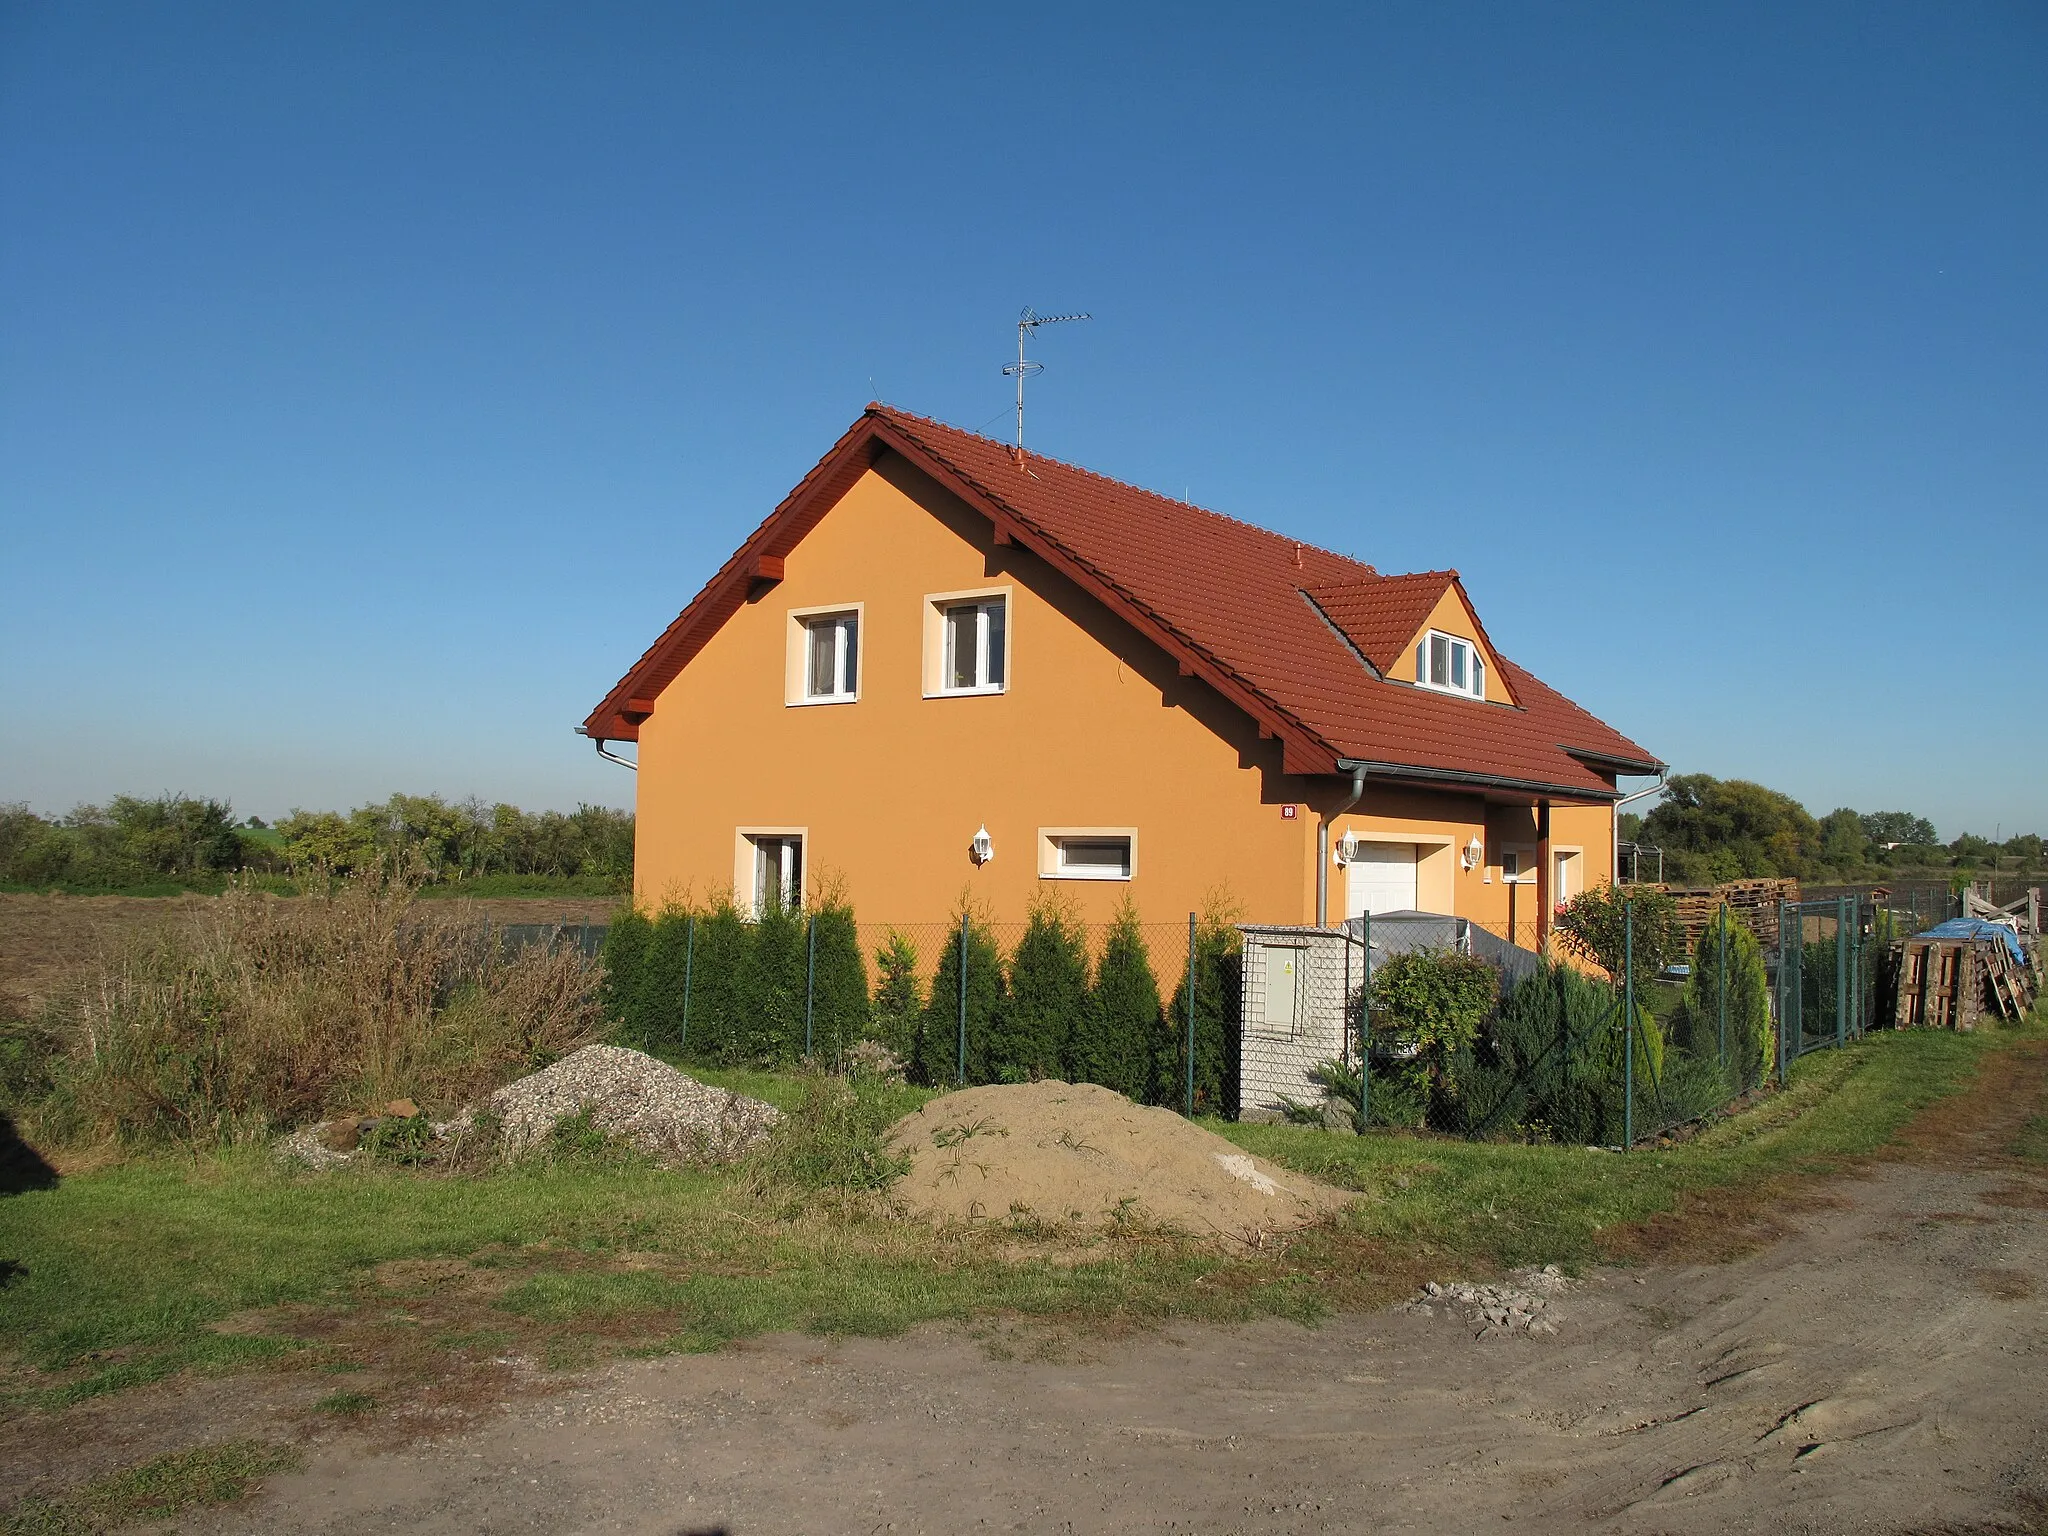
1566, 885
1380, 878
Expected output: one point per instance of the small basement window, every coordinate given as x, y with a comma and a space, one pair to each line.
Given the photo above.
1087, 853
1450, 664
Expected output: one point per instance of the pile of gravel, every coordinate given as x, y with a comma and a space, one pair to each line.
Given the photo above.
1497, 1310
665, 1113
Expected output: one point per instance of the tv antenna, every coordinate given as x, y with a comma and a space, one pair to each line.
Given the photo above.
1028, 322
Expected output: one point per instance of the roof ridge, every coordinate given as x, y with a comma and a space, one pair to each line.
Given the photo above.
1123, 485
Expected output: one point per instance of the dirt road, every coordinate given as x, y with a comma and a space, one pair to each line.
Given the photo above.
1880, 1368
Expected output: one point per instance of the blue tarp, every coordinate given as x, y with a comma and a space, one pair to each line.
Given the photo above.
1975, 928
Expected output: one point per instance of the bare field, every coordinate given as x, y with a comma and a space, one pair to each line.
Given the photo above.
46, 939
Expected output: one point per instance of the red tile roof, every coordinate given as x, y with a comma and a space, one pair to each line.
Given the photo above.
1229, 601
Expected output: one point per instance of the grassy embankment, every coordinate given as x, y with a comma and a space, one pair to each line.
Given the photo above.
225, 1262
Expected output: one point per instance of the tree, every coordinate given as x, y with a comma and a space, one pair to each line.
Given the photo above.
1897, 827
1113, 1043
1595, 925
1729, 829
898, 1004
1219, 968
839, 982
938, 1041
1048, 995
1727, 946
1843, 843
1431, 1003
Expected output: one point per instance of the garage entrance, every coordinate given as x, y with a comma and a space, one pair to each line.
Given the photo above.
1379, 877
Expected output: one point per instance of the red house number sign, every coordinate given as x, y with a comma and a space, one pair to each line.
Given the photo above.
1287, 813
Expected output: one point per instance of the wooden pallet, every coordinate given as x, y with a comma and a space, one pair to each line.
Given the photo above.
1949, 983
1939, 984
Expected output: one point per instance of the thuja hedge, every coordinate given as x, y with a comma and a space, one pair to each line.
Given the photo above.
1049, 1010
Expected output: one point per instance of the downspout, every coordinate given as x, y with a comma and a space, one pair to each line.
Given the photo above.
1614, 823
1323, 842
610, 757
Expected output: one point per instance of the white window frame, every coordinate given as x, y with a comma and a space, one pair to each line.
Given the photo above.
1474, 686
796, 671
1052, 864
937, 632
746, 842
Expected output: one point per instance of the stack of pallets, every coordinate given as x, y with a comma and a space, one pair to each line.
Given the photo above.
1949, 983
1753, 903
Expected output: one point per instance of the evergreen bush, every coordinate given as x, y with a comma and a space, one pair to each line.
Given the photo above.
719, 990
770, 1030
839, 997
1121, 1024
897, 1010
1047, 996
938, 1042
654, 1019
1752, 1039
1219, 987
624, 953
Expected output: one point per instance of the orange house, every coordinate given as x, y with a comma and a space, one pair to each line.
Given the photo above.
943, 663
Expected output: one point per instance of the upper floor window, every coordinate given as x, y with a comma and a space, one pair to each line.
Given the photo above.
822, 662
1450, 665
832, 661
977, 636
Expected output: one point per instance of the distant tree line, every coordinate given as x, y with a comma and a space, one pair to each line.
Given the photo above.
184, 842
1712, 830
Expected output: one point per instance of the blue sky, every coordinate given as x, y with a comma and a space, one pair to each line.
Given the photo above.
377, 380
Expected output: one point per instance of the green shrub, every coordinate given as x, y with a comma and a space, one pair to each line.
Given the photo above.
1595, 924
719, 989
1219, 973
654, 1016
839, 987
936, 1063
770, 1029
1427, 1006
1752, 1038
624, 955
898, 1005
1047, 996
1113, 1042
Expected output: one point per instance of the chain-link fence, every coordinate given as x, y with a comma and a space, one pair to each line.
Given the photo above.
1435, 1025
1145, 1008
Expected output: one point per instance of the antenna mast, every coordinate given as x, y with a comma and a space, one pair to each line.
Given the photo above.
1027, 322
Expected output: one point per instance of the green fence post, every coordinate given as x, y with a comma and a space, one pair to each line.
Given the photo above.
810, 979
1191, 1018
1842, 971
1721, 987
960, 1072
689, 962
1784, 971
1628, 1025
1365, 1035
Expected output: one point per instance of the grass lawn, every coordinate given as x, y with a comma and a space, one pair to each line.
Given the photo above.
230, 1262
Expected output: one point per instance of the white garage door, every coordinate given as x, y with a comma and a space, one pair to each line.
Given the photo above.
1380, 878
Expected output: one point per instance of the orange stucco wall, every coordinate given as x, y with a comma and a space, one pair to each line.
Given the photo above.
1096, 729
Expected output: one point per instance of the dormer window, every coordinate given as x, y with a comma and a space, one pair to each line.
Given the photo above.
1450, 665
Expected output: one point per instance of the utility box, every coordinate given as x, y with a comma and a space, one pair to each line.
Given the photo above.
1297, 986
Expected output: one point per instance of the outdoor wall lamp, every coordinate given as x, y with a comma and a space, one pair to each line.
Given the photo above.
983, 846
1474, 852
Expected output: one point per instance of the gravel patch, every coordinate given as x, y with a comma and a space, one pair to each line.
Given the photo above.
667, 1114
1521, 1304
630, 1095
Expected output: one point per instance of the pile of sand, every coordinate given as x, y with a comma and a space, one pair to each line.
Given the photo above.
1072, 1154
